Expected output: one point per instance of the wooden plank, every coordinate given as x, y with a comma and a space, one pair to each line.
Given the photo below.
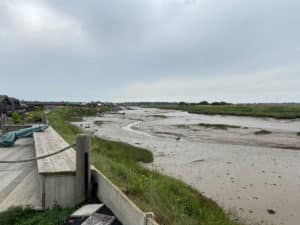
48, 142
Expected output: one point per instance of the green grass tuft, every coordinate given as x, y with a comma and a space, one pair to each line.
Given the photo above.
98, 122
260, 132
158, 116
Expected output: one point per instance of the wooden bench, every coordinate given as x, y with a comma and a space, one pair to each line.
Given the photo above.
58, 172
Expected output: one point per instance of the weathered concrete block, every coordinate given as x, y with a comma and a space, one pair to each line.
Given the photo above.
87, 210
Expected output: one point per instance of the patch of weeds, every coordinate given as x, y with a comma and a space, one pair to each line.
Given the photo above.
98, 123
218, 126
158, 116
260, 132
28, 216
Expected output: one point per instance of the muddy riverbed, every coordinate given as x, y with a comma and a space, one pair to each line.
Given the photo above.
257, 176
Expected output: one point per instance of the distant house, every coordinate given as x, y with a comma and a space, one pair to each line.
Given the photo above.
8, 105
4, 102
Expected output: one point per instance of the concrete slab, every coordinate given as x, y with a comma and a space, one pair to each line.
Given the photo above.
87, 210
19, 182
99, 219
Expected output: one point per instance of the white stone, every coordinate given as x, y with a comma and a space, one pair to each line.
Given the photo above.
87, 210
99, 219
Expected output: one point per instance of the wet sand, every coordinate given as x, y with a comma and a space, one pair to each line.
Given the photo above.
257, 176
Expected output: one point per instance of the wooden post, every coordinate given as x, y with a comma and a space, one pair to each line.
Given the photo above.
83, 172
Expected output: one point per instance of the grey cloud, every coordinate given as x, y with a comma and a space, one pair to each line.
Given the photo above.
124, 42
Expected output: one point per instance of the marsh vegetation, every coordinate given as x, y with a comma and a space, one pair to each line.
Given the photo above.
218, 126
278, 111
262, 132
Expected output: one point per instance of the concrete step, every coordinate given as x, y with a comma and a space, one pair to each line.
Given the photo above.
99, 219
87, 210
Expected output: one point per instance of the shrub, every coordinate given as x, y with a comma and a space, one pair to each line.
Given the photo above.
34, 117
16, 117
262, 132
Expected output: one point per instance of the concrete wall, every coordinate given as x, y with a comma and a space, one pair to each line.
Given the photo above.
58, 189
123, 208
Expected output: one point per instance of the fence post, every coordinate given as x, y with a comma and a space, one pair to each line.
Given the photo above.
83, 172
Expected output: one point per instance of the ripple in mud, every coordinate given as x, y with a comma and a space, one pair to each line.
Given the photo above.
177, 136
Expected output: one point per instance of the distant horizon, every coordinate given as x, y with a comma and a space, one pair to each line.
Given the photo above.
189, 102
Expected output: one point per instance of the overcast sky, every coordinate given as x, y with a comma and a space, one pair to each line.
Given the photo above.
151, 50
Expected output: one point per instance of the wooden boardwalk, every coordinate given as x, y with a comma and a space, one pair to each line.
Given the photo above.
48, 142
19, 183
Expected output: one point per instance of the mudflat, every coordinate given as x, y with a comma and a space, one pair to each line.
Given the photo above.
257, 175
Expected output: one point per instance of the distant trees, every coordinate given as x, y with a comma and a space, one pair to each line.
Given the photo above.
220, 103
204, 103
183, 103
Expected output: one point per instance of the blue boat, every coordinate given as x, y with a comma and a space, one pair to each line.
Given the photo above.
10, 138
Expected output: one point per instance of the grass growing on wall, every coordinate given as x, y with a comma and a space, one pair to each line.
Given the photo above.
172, 201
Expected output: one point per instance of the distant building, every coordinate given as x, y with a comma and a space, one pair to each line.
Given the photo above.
8, 105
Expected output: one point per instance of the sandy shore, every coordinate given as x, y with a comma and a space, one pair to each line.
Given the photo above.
257, 176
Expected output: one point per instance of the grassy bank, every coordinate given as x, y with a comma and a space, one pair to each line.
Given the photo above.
27, 216
283, 111
172, 201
